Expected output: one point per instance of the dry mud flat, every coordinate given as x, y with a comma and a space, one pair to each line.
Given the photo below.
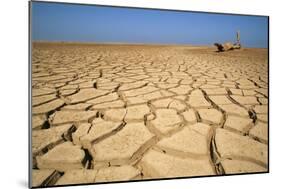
103, 113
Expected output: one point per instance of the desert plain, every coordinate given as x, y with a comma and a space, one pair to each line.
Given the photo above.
113, 112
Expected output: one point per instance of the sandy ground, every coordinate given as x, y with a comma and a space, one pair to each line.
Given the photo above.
104, 113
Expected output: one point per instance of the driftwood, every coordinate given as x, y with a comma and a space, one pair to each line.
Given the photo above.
228, 45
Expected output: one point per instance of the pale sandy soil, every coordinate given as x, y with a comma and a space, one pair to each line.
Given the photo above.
104, 113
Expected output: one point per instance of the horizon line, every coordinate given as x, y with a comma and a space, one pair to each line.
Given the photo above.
131, 43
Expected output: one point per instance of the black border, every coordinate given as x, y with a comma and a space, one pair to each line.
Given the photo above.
30, 167
130, 7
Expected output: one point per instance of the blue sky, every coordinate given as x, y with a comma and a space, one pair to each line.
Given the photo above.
68, 22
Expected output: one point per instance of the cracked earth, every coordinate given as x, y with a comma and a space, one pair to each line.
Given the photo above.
103, 113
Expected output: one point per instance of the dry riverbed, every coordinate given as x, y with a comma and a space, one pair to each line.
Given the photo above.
103, 113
